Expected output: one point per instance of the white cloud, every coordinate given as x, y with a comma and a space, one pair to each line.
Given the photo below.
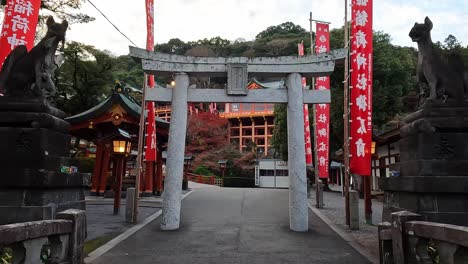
233, 19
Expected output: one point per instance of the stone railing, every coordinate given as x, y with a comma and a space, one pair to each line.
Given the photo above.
408, 239
46, 241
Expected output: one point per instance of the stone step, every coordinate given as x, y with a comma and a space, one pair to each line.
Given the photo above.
425, 184
431, 168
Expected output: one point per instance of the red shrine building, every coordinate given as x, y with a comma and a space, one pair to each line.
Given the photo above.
113, 126
249, 124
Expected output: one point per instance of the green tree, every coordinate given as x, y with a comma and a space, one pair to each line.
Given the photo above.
451, 43
65, 9
84, 79
127, 70
173, 46
281, 30
280, 133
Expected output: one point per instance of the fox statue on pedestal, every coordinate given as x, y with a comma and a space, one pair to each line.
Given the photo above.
446, 78
28, 74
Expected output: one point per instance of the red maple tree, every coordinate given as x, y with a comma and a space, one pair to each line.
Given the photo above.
207, 140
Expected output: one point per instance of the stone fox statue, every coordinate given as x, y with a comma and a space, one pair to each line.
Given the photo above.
446, 78
29, 73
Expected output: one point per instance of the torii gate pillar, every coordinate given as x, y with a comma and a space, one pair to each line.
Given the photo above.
175, 155
298, 203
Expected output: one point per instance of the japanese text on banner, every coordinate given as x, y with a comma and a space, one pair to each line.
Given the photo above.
19, 25
322, 111
150, 151
361, 88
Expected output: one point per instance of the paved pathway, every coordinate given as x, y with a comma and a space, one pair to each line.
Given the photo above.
224, 225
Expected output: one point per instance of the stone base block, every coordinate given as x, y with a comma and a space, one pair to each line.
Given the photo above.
425, 184
453, 218
432, 167
443, 146
441, 199
18, 214
31, 145
34, 120
26, 105
40, 196
36, 178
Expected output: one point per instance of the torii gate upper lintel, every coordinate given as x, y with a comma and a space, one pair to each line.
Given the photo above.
237, 70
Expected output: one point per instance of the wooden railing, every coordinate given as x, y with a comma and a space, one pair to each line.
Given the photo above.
211, 180
219, 182
409, 240
47, 241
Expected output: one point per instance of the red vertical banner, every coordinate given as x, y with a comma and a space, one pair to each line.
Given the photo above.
322, 111
19, 25
307, 139
150, 151
361, 87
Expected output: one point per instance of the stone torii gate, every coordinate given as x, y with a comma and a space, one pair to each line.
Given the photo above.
237, 70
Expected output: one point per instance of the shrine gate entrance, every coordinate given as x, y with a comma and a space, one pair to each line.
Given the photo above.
237, 70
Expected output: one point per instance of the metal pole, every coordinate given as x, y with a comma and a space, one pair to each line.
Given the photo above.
274, 167
341, 180
346, 117
140, 152
367, 199
314, 119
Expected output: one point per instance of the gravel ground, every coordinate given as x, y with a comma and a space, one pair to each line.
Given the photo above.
367, 234
102, 222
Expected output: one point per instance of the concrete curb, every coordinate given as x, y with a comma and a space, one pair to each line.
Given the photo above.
346, 236
114, 242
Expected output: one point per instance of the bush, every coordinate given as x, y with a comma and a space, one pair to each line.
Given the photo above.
85, 165
202, 170
241, 182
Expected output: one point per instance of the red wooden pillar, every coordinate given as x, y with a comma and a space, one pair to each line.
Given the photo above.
159, 173
149, 172
367, 199
119, 167
142, 182
97, 169
104, 170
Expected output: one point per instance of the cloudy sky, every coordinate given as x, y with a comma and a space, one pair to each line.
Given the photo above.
233, 19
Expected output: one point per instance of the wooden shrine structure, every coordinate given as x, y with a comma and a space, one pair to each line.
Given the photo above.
119, 113
252, 122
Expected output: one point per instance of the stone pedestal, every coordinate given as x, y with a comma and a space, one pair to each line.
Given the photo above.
37, 179
433, 166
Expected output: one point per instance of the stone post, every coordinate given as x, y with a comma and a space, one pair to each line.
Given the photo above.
175, 155
78, 235
353, 210
385, 243
398, 234
298, 203
319, 187
129, 205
